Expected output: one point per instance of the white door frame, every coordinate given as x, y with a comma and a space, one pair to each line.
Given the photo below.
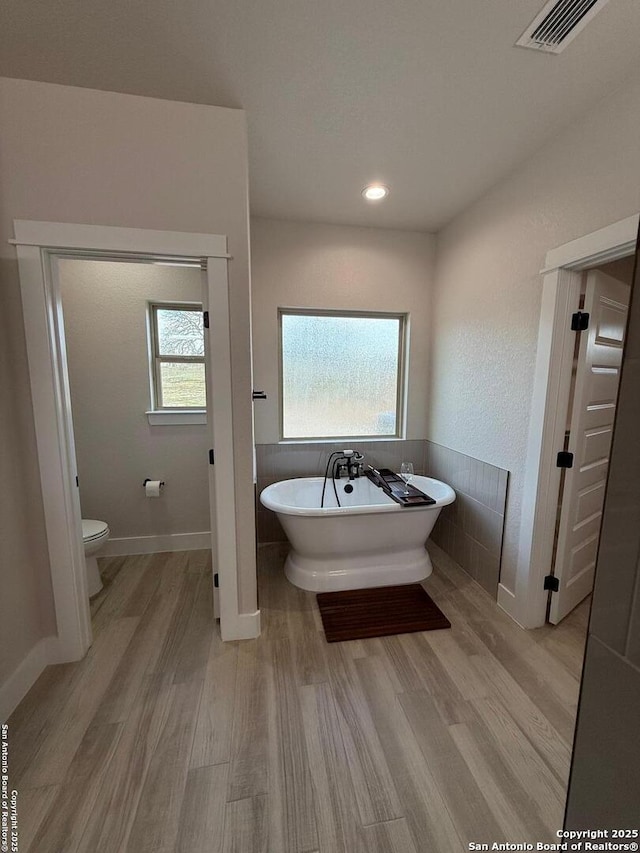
550, 402
36, 244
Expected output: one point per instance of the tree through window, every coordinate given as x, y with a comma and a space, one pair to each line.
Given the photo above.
178, 356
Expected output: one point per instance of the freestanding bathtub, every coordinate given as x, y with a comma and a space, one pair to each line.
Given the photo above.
369, 540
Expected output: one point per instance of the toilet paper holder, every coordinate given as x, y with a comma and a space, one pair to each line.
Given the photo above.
148, 480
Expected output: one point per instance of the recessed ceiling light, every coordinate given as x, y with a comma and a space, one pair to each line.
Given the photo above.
375, 192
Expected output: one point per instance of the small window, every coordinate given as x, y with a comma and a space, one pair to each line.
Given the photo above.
341, 374
177, 355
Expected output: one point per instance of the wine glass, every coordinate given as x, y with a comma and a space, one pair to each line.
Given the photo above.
406, 472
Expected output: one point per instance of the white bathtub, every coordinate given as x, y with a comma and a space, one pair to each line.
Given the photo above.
369, 541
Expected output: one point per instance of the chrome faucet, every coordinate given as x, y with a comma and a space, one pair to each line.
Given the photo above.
353, 465
348, 462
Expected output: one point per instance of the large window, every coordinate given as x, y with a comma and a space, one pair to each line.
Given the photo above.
177, 355
341, 374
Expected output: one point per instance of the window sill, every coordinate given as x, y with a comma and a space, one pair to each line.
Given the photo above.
343, 441
166, 417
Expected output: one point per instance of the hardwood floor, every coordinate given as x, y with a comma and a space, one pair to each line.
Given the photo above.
166, 740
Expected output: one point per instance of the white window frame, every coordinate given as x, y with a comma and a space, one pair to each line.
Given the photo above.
156, 360
401, 389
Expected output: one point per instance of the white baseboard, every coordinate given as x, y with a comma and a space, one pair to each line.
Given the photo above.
245, 626
155, 544
22, 679
507, 601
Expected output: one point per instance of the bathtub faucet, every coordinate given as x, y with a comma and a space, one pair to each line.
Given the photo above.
353, 464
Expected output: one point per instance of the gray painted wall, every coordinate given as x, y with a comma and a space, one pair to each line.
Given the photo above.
105, 312
77, 155
310, 265
27, 596
486, 304
604, 788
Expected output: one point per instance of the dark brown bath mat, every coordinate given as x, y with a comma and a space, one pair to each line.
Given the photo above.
355, 614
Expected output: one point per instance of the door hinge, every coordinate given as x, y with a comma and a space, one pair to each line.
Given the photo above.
205, 319
258, 395
215, 581
552, 583
77, 481
564, 459
579, 321
211, 457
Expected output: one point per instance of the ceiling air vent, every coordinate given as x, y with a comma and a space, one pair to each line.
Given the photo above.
559, 23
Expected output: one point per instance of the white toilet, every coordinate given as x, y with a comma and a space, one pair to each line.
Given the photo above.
94, 535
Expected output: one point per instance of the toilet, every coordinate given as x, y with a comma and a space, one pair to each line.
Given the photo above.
94, 536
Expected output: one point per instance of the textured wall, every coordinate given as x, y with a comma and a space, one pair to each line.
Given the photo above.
487, 298
26, 608
105, 311
77, 155
306, 265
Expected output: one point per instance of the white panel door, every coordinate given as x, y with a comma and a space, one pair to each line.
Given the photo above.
592, 416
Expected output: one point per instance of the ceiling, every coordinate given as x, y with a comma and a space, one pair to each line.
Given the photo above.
427, 96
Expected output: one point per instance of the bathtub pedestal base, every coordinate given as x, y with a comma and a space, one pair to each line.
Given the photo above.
361, 572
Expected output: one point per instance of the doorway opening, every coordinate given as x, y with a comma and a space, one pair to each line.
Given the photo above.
135, 344
601, 319
40, 246
562, 287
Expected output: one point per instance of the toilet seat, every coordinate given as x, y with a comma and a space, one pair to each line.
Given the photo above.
93, 529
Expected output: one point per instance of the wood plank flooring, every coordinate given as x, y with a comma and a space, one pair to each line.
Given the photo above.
166, 740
